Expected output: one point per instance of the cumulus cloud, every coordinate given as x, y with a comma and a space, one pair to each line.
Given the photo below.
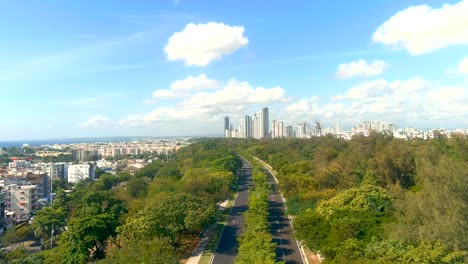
383, 87
363, 90
200, 44
361, 68
234, 98
463, 66
414, 101
421, 29
238, 93
302, 106
184, 87
132, 121
96, 121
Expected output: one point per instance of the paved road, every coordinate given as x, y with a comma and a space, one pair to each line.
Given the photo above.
228, 246
287, 249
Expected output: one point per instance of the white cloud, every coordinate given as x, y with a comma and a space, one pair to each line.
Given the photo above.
373, 88
463, 66
406, 102
194, 84
234, 98
361, 68
96, 121
302, 106
421, 29
132, 121
200, 44
184, 87
365, 89
238, 93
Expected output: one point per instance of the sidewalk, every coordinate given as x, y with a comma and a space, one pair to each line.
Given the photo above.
197, 253
206, 237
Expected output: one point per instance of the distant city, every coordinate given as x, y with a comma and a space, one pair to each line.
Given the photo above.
258, 126
26, 181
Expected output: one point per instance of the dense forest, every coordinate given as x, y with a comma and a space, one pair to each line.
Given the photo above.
374, 199
152, 217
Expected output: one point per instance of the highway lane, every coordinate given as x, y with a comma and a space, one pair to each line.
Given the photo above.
227, 249
287, 249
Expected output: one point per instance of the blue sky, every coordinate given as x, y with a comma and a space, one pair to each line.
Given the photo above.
156, 68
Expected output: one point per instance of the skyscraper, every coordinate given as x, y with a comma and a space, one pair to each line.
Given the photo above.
289, 131
226, 123
317, 129
338, 128
248, 127
265, 123
227, 130
277, 129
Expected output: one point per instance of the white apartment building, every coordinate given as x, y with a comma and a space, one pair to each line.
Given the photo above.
80, 172
22, 200
278, 129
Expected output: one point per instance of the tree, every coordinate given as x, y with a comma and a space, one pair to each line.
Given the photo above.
169, 216
99, 172
86, 236
47, 221
357, 214
10, 237
137, 187
439, 209
156, 251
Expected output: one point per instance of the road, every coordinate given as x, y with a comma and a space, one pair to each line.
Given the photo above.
287, 249
228, 246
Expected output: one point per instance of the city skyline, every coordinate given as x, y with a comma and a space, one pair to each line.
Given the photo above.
177, 68
258, 126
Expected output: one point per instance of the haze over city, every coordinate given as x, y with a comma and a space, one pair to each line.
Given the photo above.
169, 68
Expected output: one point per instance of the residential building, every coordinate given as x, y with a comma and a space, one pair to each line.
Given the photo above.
277, 129
24, 178
265, 123
57, 170
317, 129
22, 200
3, 194
248, 133
303, 130
78, 172
19, 164
289, 132
226, 127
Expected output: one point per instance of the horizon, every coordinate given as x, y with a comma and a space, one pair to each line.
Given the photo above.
178, 67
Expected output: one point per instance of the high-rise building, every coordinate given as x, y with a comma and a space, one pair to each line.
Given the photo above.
338, 128
317, 129
303, 130
289, 132
226, 123
277, 129
227, 127
265, 123
248, 127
